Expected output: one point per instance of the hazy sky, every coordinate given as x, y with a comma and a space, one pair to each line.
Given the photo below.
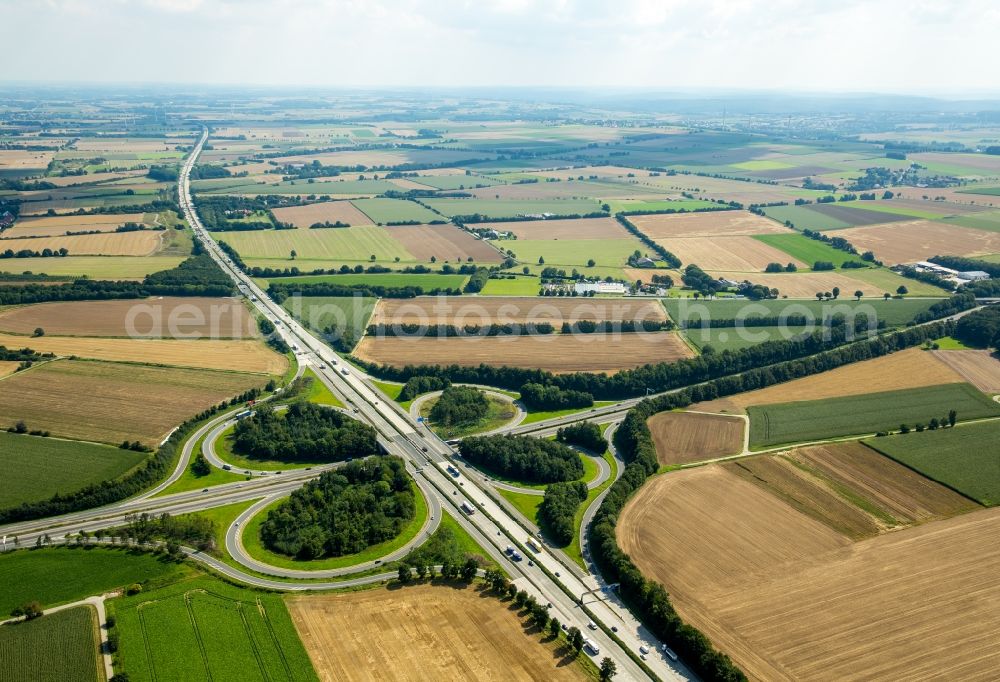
916, 46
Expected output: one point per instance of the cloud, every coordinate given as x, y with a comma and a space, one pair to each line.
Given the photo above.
891, 45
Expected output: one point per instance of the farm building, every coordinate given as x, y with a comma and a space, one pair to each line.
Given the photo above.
973, 275
599, 287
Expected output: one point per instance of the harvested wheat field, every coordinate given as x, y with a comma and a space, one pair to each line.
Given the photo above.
444, 242
162, 317
706, 224
580, 228
979, 367
327, 211
235, 355
733, 254
788, 598
55, 226
108, 402
143, 243
558, 353
917, 240
22, 160
422, 632
684, 437
484, 310
8, 367
804, 284
911, 368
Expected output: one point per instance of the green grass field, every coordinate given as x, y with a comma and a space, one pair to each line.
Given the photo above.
620, 205
318, 392
988, 191
204, 628
807, 250
864, 414
523, 502
511, 208
58, 575
342, 244
552, 414
890, 281
963, 458
804, 218
570, 253
895, 312
37, 468
319, 187
383, 279
977, 221
733, 339
95, 267
61, 646
384, 211
521, 286
321, 312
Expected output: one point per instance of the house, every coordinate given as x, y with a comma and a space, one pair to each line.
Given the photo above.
6, 220
643, 262
973, 275
600, 287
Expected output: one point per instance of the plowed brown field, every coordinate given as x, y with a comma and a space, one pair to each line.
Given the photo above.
706, 224
582, 228
422, 633
788, 598
732, 254
804, 284
163, 317
554, 353
236, 355
444, 242
143, 243
332, 211
917, 240
109, 402
54, 226
483, 310
683, 437
979, 367
912, 368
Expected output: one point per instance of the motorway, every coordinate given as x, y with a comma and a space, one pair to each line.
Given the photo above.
550, 575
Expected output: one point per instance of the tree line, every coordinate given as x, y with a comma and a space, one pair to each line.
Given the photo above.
557, 512
980, 328
344, 511
305, 432
449, 330
418, 385
671, 260
538, 396
523, 458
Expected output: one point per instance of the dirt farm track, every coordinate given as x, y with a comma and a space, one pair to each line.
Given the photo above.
422, 633
789, 598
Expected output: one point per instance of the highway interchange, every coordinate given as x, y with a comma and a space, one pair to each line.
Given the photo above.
577, 598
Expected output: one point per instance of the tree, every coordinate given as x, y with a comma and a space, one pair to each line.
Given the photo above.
512, 591
200, 466
541, 260
554, 627
886, 296
469, 570
20, 427
902, 290
29, 610
858, 294
836, 292
591, 263
608, 669
38, 332
819, 295
404, 574
526, 270
952, 417
575, 639
293, 254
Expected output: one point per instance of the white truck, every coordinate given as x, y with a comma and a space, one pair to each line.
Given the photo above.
591, 646
468, 509
533, 544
